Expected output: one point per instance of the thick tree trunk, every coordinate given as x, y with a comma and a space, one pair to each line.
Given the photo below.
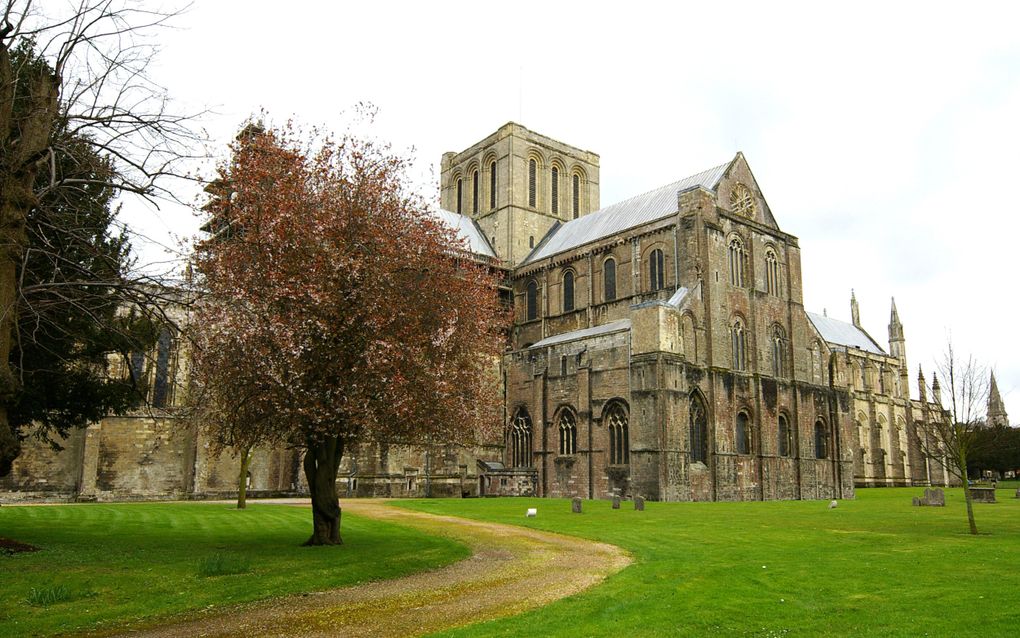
322, 460
242, 479
24, 135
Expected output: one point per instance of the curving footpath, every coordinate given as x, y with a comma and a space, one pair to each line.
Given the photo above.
511, 570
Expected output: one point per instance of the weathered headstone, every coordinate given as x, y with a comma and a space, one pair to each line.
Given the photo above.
639, 503
575, 505
833, 505
982, 494
616, 501
917, 501
933, 497
1017, 493
532, 512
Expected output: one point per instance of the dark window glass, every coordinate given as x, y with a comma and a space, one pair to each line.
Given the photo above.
474, 192
460, 195
532, 300
656, 266
555, 190
518, 444
532, 176
821, 441
568, 433
577, 195
492, 185
784, 436
743, 434
568, 291
609, 279
160, 389
619, 443
699, 430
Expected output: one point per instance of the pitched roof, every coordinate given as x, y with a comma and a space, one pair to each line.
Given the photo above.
467, 230
638, 210
844, 334
614, 326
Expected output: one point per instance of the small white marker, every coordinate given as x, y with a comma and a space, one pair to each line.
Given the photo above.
532, 512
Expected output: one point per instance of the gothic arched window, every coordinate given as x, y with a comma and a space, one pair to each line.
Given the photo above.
619, 436
656, 266
492, 185
518, 444
532, 300
743, 433
532, 186
821, 440
460, 195
162, 384
778, 340
568, 291
698, 421
738, 345
736, 253
577, 195
771, 272
555, 193
609, 279
785, 436
568, 432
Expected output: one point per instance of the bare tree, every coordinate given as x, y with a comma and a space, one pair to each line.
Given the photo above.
73, 87
949, 433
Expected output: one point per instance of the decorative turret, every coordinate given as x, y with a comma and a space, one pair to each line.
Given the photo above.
996, 416
855, 311
898, 346
936, 391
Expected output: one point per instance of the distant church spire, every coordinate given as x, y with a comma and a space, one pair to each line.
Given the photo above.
996, 408
922, 388
936, 390
898, 345
855, 311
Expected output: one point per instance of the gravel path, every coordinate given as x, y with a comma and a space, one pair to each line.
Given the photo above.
512, 569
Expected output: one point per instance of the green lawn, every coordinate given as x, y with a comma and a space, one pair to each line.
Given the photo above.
874, 566
124, 564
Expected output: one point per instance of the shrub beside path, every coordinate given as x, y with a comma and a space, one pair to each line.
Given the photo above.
511, 570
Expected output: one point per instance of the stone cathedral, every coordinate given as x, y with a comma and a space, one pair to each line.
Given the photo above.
660, 348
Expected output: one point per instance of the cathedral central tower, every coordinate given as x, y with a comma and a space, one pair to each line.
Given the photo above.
517, 184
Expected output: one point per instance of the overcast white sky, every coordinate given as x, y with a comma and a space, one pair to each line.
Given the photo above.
883, 135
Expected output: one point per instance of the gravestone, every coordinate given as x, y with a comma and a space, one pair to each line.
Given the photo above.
933, 497
917, 501
1017, 493
616, 501
575, 505
639, 503
833, 505
532, 512
982, 494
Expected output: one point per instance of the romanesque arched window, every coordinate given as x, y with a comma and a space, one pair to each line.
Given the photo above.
554, 176
577, 195
609, 280
821, 440
771, 272
532, 183
785, 436
743, 433
531, 302
492, 185
568, 291
738, 344
474, 192
460, 196
698, 422
656, 268
778, 348
518, 442
568, 432
736, 253
619, 435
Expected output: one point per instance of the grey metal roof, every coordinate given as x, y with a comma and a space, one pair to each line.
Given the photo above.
621, 216
584, 333
467, 230
843, 333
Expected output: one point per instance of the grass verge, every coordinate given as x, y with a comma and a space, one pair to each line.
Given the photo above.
874, 566
106, 566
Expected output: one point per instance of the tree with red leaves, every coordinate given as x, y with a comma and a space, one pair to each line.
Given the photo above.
339, 309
